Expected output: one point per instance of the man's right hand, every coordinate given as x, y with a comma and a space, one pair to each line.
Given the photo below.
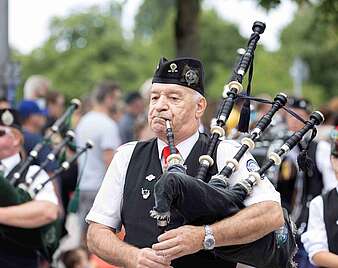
147, 258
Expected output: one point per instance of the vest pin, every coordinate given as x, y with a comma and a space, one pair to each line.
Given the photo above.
150, 177
145, 193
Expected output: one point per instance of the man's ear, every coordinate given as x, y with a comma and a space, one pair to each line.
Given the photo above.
18, 138
16, 141
201, 106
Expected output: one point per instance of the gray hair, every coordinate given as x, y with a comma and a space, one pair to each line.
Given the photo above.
34, 84
197, 96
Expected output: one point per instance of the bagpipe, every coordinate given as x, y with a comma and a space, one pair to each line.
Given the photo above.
17, 189
201, 201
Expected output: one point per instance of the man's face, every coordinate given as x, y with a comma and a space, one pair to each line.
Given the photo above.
8, 142
178, 104
138, 106
112, 99
38, 121
293, 123
59, 106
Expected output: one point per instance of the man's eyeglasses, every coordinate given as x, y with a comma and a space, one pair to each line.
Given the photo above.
4, 131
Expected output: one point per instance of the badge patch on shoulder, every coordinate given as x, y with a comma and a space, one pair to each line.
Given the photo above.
252, 165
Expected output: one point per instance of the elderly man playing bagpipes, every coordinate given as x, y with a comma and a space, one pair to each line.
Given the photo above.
207, 181
42, 210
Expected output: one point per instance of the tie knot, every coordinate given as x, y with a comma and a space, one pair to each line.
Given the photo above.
166, 153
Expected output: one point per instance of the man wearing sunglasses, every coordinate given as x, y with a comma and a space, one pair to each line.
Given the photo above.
38, 212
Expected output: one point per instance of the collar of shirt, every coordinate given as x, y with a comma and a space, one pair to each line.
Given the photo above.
10, 162
184, 147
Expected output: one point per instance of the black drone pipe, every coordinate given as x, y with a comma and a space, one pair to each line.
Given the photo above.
50, 157
75, 103
64, 166
249, 143
230, 94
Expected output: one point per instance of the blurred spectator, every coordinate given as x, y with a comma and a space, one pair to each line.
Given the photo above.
134, 108
86, 106
118, 111
97, 126
33, 119
145, 90
36, 88
55, 102
76, 258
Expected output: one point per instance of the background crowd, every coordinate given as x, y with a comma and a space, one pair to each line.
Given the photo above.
109, 116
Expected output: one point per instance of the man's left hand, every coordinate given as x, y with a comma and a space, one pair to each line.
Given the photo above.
179, 242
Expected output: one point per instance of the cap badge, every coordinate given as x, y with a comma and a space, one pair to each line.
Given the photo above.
7, 118
191, 77
173, 68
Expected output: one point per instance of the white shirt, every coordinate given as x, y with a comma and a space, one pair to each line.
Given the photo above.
47, 193
324, 165
315, 238
103, 132
107, 206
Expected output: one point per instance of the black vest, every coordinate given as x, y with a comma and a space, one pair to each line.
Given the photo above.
141, 229
330, 201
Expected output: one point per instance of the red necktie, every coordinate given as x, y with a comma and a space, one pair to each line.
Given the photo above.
166, 153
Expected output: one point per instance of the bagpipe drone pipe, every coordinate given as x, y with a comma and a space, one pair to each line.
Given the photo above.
16, 189
204, 202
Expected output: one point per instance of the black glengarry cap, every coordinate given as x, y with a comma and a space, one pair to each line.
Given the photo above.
186, 72
10, 118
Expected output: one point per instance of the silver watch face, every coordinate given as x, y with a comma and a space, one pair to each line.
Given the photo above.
209, 242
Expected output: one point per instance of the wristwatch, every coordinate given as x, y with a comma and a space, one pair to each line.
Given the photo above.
209, 239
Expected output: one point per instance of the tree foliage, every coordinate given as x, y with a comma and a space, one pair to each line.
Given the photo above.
326, 11
317, 44
88, 46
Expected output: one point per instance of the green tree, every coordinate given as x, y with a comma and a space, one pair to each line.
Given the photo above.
317, 44
152, 15
82, 49
325, 10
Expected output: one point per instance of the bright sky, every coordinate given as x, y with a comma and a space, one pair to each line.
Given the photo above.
28, 20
